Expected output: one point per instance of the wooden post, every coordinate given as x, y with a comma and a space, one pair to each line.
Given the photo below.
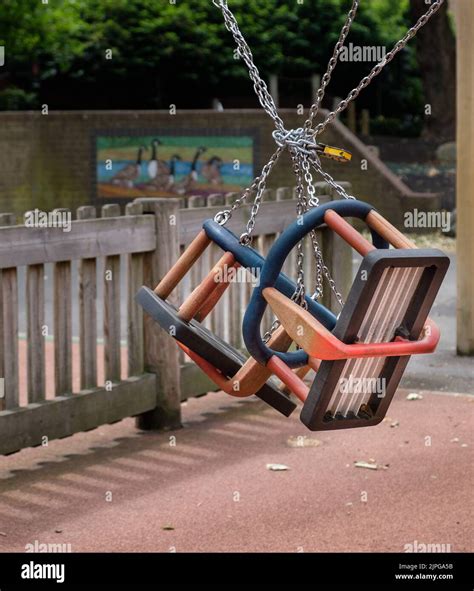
161, 353
112, 319
88, 311
8, 324
365, 122
465, 176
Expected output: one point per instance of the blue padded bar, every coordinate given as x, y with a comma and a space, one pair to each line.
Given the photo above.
271, 269
251, 259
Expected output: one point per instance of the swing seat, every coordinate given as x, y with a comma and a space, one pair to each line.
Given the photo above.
217, 358
384, 321
227, 367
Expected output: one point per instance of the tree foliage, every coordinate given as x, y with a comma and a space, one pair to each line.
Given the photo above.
163, 52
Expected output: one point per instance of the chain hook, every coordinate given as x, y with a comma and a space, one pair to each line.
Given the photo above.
245, 239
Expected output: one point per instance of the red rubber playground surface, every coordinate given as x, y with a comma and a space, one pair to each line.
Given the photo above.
208, 487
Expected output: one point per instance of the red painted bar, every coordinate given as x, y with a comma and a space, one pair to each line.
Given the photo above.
290, 379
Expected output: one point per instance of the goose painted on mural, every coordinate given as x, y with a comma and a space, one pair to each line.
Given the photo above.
190, 180
131, 172
211, 171
156, 167
163, 182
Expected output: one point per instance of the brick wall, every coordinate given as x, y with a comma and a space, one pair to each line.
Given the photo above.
48, 161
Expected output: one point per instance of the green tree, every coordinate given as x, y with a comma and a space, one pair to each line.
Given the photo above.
181, 53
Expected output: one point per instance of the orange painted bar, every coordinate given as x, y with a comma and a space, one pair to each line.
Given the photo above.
198, 297
387, 231
182, 265
339, 225
215, 296
219, 379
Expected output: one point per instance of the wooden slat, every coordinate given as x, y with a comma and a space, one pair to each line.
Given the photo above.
160, 356
134, 312
6, 219
87, 239
112, 307
35, 343
66, 415
62, 328
88, 311
9, 288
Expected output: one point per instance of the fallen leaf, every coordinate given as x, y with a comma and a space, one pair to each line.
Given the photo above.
168, 528
277, 467
58, 531
464, 445
414, 396
2, 533
394, 424
454, 439
368, 465
303, 441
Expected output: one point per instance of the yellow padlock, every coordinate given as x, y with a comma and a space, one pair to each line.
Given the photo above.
333, 153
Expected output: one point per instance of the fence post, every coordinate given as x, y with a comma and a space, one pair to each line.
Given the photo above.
161, 354
6, 219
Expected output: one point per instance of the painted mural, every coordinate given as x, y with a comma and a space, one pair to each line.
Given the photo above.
170, 166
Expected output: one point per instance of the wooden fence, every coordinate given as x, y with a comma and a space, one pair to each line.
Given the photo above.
119, 363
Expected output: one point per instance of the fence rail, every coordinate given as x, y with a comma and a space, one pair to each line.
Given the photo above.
101, 361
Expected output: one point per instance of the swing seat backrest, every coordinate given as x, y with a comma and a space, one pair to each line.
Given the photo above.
389, 302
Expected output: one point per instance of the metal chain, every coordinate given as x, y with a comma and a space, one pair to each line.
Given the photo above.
321, 268
332, 64
261, 89
354, 93
300, 292
302, 142
316, 163
246, 237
